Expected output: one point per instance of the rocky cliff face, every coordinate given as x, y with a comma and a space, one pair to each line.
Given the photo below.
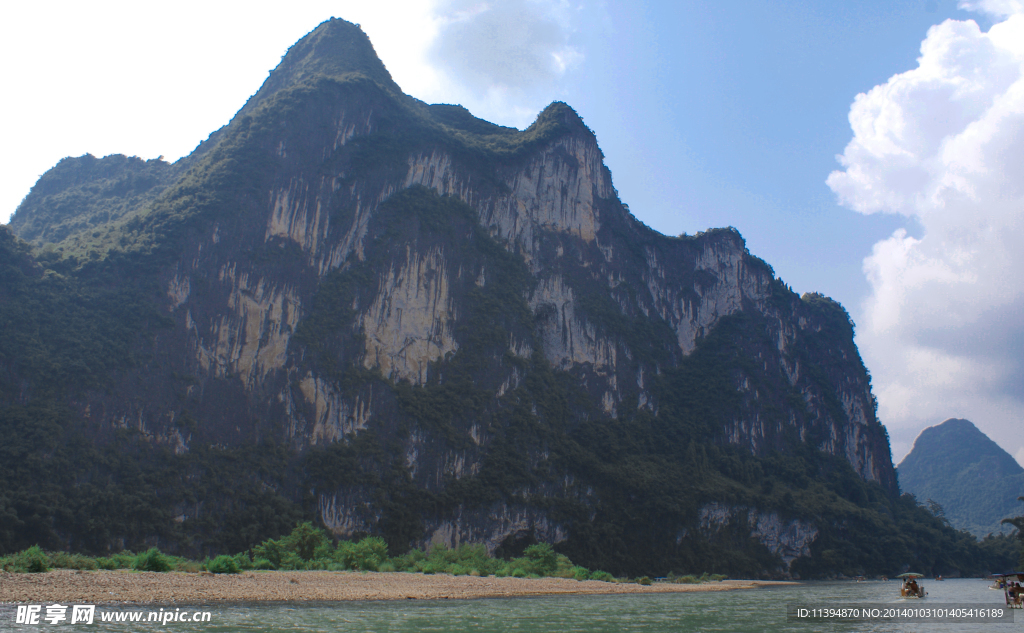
789, 540
343, 262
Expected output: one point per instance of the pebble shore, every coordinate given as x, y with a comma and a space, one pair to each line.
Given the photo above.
104, 587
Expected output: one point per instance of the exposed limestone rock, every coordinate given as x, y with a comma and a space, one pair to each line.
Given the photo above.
789, 540
693, 311
412, 451
408, 325
351, 242
351, 125
555, 191
511, 383
251, 337
297, 214
335, 417
492, 526
568, 340
178, 291
456, 466
437, 172
348, 513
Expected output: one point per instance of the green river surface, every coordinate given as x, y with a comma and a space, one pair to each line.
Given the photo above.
742, 610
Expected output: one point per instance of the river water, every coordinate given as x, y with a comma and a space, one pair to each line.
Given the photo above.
735, 611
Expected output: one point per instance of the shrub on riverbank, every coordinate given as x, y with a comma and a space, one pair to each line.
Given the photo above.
223, 564
32, 560
152, 560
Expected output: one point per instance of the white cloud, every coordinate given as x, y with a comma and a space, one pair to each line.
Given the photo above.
997, 8
503, 60
943, 144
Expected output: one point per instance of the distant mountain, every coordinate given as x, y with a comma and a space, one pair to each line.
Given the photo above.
974, 480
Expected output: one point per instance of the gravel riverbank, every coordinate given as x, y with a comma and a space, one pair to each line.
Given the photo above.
98, 587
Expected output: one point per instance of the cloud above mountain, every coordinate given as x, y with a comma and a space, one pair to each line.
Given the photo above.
943, 145
512, 44
505, 59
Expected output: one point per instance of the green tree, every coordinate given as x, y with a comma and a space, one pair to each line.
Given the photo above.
304, 540
1018, 522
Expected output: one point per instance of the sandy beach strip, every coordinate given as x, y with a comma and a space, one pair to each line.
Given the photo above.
102, 587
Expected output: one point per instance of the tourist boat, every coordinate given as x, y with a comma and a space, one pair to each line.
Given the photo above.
910, 588
1012, 589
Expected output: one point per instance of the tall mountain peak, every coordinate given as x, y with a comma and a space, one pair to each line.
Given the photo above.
336, 48
561, 112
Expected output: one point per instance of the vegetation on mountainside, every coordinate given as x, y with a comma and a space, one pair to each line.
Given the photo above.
60, 489
75, 206
66, 329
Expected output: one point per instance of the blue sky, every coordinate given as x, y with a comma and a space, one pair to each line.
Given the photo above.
709, 113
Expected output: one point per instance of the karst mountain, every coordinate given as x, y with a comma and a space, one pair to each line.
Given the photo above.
392, 318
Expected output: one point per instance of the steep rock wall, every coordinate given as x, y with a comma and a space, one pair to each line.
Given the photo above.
557, 210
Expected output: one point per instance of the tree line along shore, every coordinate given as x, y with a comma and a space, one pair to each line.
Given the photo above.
308, 548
